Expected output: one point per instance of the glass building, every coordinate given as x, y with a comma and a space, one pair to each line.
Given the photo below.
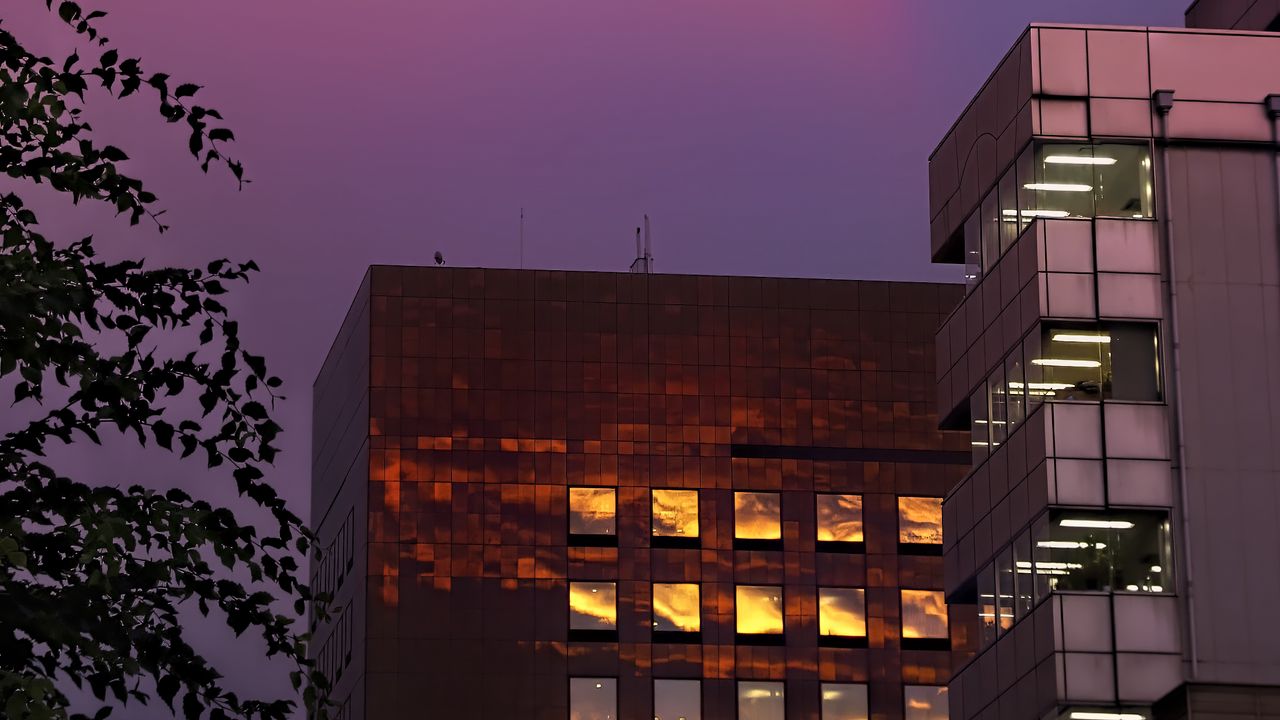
1111, 193
589, 496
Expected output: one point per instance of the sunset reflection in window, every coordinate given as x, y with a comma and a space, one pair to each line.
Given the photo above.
925, 702
675, 513
759, 610
757, 516
920, 521
677, 607
842, 612
761, 700
924, 614
839, 518
593, 698
592, 511
593, 606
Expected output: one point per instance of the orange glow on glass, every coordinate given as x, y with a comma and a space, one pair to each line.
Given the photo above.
757, 516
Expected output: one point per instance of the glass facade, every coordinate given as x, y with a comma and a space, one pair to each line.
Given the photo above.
842, 615
593, 606
759, 610
593, 698
925, 702
675, 514
677, 608
920, 525
844, 701
924, 617
839, 518
677, 700
757, 516
593, 512
761, 701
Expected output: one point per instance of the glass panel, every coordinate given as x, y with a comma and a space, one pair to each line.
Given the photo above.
839, 518
761, 701
1034, 383
593, 606
1131, 362
1122, 180
979, 430
1141, 560
592, 511
759, 609
757, 515
1121, 551
924, 614
1090, 361
1008, 210
593, 699
999, 420
675, 513
842, 612
1063, 182
1017, 396
926, 702
1022, 577
1004, 589
1026, 198
973, 249
990, 230
677, 607
844, 701
1040, 534
987, 605
920, 520
1071, 363
677, 700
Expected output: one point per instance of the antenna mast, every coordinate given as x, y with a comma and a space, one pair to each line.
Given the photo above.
521, 238
644, 251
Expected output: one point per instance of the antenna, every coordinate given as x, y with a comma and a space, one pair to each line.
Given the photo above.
648, 254
521, 238
644, 255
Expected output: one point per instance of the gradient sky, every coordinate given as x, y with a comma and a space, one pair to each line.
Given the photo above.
765, 138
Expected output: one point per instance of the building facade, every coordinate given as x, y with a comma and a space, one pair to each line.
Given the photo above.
1112, 194
603, 495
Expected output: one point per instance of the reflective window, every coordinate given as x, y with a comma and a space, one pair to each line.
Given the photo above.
759, 609
677, 608
675, 513
924, 615
999, 415
1095, 361
677, 700
593, 606
980, 428
990, 213
1009, 224
1023, 590
1016, 397
973, 249
592, 512
839, 518
1004, 589
761, 701
1117, 551
757, 515
844, 701
593, 699
925, 702
920, 524
842, 613
987, 605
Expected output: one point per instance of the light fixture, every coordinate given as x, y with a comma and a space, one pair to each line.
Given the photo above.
1040, 385
1091, 715
1059, 187
1012, 214
977, 443
599, 685
1156, 568
1081, 338
1069, 545
1131, 588
1104, 524
1066, 362
1157, 588
1079, 160
595, 590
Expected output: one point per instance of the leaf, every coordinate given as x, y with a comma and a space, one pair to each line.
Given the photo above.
108, 59
221, 134
163, 433
186, 90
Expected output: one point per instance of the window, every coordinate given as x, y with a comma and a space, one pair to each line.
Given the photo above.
924, 620
675, 518
844, 701
986, 605
592, 516
973, 250
1082, 180
761, 701
999, 416
593, 698
925, 702
677, 612
842, 617
839, 522
677, 700
593, 610
1104, 551
1004, 589
919, 526
757, 520
980, 428
1098, 361
1023, 579
1016, 396
759, 614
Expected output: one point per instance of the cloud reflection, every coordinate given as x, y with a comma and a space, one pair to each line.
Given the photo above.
676, 607
920, 520
759, 609
675, 513
757, 515
593, 606
592, 511
842, 611
839, 518
924, 614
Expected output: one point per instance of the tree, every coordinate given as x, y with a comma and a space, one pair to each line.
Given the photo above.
92, 578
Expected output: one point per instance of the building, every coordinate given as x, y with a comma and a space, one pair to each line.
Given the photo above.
606, 495
1112, 194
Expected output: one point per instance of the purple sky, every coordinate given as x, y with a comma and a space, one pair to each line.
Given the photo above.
764, 138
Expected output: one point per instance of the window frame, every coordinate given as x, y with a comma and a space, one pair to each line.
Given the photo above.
921, 643
590, 634
569, 689
845, 641
589, 539
778, 638
841, 546
702, 700
741, 543
737, 692
676, 541
674, 636
906, 548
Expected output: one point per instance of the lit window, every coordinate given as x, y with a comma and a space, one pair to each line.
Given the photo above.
980, 427
761, 701
1023, 578
920, 525
677, 700
593, 610
1004, 589
844, 701
842, 616
757, 518
839, 519
592, 516
924, 620
1094, 361
925, 702
1112, 551
1081, 180
675, 517
593, 699
677, 608
987, 605
759, 610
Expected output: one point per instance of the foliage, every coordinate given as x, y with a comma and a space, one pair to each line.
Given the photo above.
92, 578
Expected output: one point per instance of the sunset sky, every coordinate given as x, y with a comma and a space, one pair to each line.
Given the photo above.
766, 138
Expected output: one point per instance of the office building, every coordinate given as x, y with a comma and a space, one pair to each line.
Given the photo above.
1112, 195
607, 495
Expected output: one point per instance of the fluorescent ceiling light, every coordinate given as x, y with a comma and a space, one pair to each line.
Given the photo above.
1090, 715
1059, 187
1041, 385
1079, 160
1038, 213
1081, 338
1107, 524
1066, 362
1068, 545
